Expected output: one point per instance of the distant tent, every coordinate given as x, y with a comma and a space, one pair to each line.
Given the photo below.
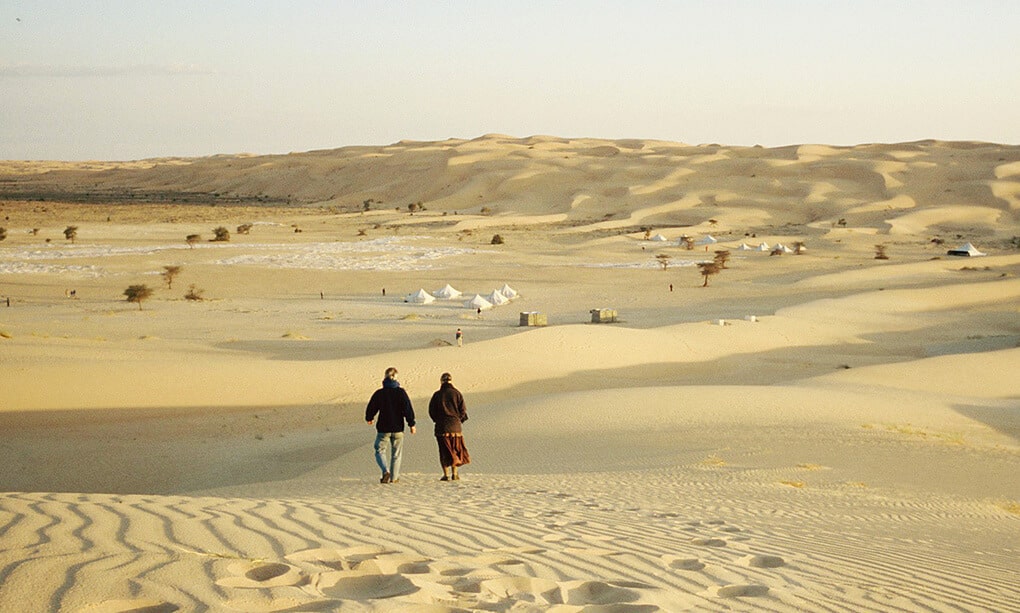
745, 247
446, 293
763, 247
478, 302
967, 250
659, 238
420, 297
497, 298
508, 291
781, 247
707, 240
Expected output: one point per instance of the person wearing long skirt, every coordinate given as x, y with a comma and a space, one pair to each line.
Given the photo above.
448, 411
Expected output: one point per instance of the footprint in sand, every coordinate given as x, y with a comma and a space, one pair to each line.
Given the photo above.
762, 561
258, 575
359, 586
741, 590
139, 605
341, 559
708, 542
678, 563
597, 593
527, 589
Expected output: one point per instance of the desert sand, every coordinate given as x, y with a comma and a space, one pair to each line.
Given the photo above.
823, 431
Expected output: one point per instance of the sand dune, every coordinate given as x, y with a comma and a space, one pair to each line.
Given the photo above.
816, 432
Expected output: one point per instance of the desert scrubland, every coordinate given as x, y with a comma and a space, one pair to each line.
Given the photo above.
814, 431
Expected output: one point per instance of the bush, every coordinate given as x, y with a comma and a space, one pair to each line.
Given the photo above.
244, 228
194, 293
221, 235
496, 240
138, 293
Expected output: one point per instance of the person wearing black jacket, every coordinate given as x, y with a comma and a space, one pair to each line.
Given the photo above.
447, 409
393, 407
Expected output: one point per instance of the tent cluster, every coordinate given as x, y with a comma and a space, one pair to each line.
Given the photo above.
497, 297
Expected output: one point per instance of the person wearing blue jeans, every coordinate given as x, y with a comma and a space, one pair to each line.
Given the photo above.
393, 407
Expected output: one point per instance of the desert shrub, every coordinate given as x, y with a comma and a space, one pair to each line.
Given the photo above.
138, 293
194, 293
244, 228
496, 240
221, 234
71, 233
664, 259
169, 272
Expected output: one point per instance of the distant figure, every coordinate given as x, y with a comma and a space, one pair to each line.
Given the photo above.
393, 406
448, 411
460, 338
8, 302
321, 297
384, 291
670, 287
479, 310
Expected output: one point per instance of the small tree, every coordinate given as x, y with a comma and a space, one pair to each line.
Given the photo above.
688, 242
707, 270
71, 233
138, 293
664, 259
194, 293
496, 240
169, 272
880, 253
721, 257
191, 239
244, 228
221, 235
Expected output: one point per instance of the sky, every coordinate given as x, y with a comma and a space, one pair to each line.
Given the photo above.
134, 79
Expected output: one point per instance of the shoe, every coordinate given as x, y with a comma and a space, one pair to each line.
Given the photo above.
386, 478
395, 481
456, 477
444, 478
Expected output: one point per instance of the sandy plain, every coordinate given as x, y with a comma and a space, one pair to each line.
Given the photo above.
815, 432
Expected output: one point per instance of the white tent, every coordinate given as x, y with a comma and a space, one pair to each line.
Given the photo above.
967, 250
659, 238
497, 298
763, 247
446, 293
420, 297
745, 247
782, 247
707, 240
508, 291
478, 302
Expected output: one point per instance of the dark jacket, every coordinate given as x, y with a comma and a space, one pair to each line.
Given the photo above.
392, 405
447, 409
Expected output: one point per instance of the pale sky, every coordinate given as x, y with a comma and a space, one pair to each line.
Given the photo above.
130, 79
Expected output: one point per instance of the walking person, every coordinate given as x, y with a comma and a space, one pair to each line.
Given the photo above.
447, 409
460, 338
393, 406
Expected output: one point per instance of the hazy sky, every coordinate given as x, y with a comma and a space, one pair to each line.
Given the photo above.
127, 79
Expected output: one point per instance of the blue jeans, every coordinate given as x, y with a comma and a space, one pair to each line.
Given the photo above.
388, 452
